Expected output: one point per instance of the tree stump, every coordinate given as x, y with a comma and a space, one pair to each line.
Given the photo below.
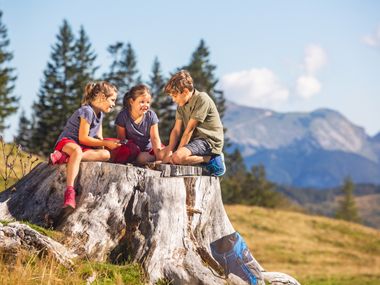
164, 218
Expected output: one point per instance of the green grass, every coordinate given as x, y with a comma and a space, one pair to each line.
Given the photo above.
32, 269
56, 235
362, 280
110, 274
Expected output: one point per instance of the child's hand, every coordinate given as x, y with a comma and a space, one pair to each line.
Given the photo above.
168, 157
160, 154
111, 145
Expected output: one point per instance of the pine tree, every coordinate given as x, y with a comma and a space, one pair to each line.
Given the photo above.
161, 103
8, 102
57, 93
232, 182
124, 74
84, 65
24, 131
202, 71
258, 191
347, 207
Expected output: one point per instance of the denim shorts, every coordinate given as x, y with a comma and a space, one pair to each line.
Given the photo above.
199, 147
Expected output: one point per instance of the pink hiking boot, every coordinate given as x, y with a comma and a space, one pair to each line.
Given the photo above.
69, 198
58, 157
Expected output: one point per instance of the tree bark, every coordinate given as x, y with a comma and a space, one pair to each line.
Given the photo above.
164, 218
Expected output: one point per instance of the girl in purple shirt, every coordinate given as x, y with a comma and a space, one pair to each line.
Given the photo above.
139, 124
82, 137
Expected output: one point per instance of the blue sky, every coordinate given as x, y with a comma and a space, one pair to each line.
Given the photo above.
283, 55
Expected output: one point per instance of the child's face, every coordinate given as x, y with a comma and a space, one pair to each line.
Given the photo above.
141, 104
181, 98
105, 104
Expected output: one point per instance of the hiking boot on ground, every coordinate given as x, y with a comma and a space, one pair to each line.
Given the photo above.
216, 165
69, 198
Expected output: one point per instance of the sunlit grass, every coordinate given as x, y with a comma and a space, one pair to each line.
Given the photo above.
31, 269
309, 247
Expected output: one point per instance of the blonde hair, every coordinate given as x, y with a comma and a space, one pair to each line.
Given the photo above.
94, 88
179, 81
133, 93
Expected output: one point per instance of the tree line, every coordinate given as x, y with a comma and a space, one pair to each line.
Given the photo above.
72, 64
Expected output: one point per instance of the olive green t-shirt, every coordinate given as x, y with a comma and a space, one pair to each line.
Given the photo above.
202, 108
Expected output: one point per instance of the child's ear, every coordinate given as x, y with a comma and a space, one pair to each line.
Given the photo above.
101, 97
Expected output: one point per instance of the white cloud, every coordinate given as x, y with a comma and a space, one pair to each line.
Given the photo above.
307, 86
254, 87
315, 58
261, 87
372, 40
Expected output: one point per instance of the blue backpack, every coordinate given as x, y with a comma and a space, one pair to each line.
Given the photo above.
232, 253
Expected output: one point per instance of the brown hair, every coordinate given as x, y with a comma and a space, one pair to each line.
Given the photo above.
93, 88
133, 93
179, 81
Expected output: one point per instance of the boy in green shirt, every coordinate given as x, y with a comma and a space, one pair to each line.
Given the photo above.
202, 139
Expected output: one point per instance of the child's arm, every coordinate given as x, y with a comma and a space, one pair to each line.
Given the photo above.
120, 132
173, 140
85, 139
175, 134
156, 141
187, 134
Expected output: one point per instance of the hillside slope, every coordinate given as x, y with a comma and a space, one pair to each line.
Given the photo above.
309, 247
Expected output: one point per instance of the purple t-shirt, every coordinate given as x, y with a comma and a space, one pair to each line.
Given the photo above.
71, 129
139, 133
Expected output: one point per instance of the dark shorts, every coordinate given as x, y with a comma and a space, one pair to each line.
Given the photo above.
199, 147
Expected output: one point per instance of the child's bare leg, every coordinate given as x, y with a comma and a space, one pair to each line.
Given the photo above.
145, 157
184, 156
75, 153
96, 155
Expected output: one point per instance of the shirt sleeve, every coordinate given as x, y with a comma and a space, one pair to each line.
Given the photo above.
178, 115
86, 113
120, 119
201, 108
154, 118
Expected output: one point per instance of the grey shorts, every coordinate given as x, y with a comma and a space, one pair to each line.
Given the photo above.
199, 147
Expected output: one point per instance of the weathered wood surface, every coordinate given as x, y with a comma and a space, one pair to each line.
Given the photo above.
130, 213
15, 237
170, 170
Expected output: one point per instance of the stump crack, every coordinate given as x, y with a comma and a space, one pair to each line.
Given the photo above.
191, 191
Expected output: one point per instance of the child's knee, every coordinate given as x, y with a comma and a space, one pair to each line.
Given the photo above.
77, 152
105, 155
177, 158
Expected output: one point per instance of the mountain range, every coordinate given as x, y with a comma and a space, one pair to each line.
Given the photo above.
315, 149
